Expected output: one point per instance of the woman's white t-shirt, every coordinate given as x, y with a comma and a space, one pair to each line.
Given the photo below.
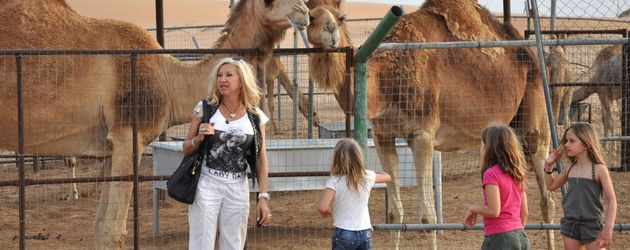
228, 148
350, 206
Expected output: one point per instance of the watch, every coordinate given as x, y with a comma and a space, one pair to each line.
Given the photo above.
548, 172
264, 195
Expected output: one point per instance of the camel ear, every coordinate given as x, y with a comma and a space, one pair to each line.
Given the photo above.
342, 19
338, 3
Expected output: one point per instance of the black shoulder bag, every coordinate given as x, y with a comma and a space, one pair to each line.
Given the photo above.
182, 186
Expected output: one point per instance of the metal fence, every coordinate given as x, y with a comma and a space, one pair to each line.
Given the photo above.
45, 221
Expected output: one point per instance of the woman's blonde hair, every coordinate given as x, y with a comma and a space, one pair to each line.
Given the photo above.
585, 132
348, 160
503, 148
250, 92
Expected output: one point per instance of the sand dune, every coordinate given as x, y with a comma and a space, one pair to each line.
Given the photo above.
191, 12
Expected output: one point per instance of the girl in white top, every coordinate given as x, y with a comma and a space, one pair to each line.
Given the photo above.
349, 190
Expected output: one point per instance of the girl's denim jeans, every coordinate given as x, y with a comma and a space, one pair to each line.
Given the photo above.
346, 239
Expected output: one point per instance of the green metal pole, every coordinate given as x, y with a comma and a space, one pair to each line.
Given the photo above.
360, 73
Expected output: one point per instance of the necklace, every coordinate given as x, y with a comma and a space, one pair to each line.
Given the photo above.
232, 113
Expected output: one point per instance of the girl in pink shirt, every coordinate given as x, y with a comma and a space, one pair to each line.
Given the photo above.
504, 208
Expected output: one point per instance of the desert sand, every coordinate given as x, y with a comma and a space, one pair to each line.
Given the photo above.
53, 223
191, 12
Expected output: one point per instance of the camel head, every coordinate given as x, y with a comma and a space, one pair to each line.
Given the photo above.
324, 29
283, 13
312, 4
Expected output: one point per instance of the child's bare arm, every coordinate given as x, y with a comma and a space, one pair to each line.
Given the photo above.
324, 204
605, 236
493, 198
554, 182
382, 177
524, 209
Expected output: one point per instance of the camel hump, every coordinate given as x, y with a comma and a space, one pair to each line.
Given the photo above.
464, 21
27, 24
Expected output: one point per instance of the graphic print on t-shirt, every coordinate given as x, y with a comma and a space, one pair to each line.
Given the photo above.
227, 154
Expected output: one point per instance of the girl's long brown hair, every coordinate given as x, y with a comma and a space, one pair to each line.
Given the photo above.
503, 148
585, 132
348, 160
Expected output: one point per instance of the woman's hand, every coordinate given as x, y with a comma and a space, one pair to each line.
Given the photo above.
263, 215
470, 219
206, 129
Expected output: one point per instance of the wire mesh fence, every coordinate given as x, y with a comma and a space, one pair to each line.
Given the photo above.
296, 143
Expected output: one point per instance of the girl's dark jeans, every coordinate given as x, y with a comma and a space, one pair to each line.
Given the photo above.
345, 239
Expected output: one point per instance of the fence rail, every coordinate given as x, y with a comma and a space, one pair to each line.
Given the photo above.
461, 226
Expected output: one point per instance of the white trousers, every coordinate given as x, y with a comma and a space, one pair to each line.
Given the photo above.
222, 206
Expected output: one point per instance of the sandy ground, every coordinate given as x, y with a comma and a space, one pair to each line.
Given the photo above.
52, 223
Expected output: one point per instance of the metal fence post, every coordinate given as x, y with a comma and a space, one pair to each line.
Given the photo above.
134, 122
543, 72
20, 158
625, 106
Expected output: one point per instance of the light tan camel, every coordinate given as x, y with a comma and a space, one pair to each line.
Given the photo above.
80, 105
328, 30
559, 72
606, 70
441, 99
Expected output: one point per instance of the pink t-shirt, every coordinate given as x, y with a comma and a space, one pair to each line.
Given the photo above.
510, 216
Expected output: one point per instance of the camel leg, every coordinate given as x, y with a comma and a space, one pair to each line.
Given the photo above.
566, 105
579, 95
556, 99
111, 216
287, 84
607, 120
72, 192
536, 142
270, 98
386, 151
422, 148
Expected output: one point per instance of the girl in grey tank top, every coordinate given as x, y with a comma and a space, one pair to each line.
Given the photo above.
584, 223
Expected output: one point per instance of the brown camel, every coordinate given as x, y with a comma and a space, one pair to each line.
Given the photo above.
441, 99
97, 122
559, 70
606, 70
328, 30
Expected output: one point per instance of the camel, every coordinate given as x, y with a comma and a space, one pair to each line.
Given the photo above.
441, 99
561, 97
607, 70
328, 30
97, 122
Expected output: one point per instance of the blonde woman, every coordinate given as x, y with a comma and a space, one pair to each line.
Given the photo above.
349, 185
222, 200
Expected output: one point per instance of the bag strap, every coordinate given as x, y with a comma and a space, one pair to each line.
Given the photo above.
207, 114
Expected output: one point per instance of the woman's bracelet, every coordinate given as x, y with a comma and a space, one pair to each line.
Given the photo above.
192, 142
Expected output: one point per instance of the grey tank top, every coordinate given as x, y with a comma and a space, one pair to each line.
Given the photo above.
583, 200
